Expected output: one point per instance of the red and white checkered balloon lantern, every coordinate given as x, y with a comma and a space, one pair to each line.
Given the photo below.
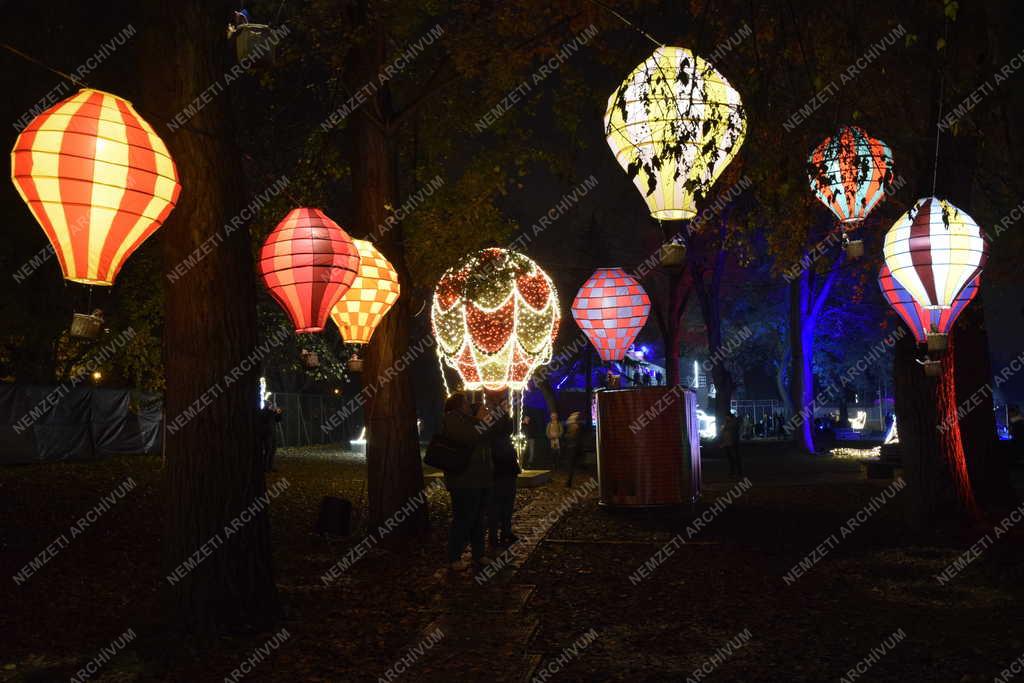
611, 308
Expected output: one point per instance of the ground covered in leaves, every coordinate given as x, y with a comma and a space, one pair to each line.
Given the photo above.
569, 612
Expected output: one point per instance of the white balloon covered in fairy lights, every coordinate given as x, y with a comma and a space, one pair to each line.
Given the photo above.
495, 316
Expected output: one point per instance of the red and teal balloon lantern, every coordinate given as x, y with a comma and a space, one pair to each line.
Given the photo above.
850, 172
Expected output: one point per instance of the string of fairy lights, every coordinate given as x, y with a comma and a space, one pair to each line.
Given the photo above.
495, 316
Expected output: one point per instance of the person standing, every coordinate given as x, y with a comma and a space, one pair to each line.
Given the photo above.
554, 433
471, 488
528, 433
266, 439
573, 442
731, 444
506, 473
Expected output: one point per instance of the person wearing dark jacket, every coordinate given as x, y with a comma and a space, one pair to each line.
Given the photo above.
469, 489
503, 491
266, 422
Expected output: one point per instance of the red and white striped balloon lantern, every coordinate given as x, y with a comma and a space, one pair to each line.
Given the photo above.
308, 263
98, 179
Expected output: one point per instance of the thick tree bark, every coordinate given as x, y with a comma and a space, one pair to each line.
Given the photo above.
938, 488
711, 311
802, 354
679, 297
395, 470
805, 307
987, 465
212, 473
780, 385
801, 431
550, 400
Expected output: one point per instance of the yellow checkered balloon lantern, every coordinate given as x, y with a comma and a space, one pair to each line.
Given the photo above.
372, 294
674, 124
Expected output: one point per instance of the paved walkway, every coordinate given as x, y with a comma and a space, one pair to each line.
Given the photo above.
483, 632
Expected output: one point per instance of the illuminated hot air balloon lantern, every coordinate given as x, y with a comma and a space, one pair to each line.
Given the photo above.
98, 179
495, 316
850, 173
372, 294
611, 308
936, 252
308, 263
915, 317
674, 124
919, 320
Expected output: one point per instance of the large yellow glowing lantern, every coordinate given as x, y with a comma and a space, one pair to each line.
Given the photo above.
97, 178
674, 124
372, 294
495, 318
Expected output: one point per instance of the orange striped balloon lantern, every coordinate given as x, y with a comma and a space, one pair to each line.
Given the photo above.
97, 178
308, 263
372, 294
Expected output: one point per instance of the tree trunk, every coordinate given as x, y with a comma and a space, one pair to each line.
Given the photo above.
780, 386
938, 488
987, 465
801, 355
711, 311
678, 298
395, 469
803, 329
550, 400
212, 472
588, 368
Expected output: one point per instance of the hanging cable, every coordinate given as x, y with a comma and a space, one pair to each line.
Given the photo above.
942, 86
629, 23
74, 79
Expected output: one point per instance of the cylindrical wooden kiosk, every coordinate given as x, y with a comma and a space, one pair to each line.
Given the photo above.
648, 446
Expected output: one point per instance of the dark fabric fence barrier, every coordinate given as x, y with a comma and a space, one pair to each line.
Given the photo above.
48, 423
